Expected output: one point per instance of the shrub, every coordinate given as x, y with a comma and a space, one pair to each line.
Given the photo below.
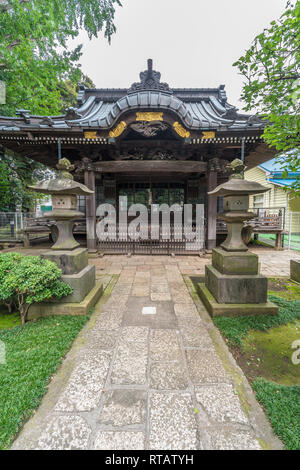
7, 263
31, 279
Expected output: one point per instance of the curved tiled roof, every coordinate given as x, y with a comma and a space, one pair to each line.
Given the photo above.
197, 108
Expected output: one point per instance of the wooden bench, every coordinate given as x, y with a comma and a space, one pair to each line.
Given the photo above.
268, 224
262, 224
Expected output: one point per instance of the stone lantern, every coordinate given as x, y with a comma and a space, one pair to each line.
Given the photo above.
233, 285
66, 252
64, 191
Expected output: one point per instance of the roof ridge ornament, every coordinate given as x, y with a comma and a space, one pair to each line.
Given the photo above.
72, 114
150, 80
25, 114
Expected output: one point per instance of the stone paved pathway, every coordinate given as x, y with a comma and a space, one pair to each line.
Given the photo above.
138, 380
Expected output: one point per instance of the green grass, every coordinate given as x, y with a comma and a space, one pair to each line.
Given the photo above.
269, 353
259, 243
282, 405
285, 288
235, 329
268, 239
33, 354
265, 353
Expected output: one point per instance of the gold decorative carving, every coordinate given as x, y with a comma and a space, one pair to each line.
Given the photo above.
181, 130
149, 116
118, 130
90, 135
208, 135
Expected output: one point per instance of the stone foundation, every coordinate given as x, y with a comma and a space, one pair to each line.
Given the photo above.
60, 308
295, 270
70, 262
80, 275
237, 288
216, 309
82, 283
234, 263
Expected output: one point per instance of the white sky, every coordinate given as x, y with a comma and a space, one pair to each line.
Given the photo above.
193, 43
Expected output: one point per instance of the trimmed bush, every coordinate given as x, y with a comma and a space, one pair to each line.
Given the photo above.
30, 279
7, 263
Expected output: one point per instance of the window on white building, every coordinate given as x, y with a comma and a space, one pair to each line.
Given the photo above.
258, 201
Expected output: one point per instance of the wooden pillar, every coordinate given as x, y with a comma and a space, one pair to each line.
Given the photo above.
211, 212
90, 208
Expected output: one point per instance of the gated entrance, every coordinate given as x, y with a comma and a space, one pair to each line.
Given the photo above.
177, 243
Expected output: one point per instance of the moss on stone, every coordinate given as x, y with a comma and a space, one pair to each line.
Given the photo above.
271, 351
284, 288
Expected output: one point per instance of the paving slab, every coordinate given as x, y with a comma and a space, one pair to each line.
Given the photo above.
84, 388
164, 345
65, 432
119, 440
186, 310
225, 405
172, 422
130, 364
109, 321
124, 408
168, 376
232, 440
101, 339
205, 366
164, 317
134, 380
194, 334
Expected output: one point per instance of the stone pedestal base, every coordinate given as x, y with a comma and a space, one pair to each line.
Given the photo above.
70, 262
215, 308
60, 308
234, 263
236, 288
295, 270
80, 275
82, 283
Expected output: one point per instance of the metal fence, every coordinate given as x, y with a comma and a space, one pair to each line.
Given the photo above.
11, 225
175, 243
292, 241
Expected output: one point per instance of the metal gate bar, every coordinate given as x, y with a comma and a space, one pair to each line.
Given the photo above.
152, 246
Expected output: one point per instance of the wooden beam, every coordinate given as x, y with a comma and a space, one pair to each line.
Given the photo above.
90, 207
146, 166
211, 233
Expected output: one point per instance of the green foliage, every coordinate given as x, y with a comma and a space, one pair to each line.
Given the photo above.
68, 91
34, 58
272, 70
29, 280
33, 354
8, 262
16, 173
235, 329
282, 406
5, 196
